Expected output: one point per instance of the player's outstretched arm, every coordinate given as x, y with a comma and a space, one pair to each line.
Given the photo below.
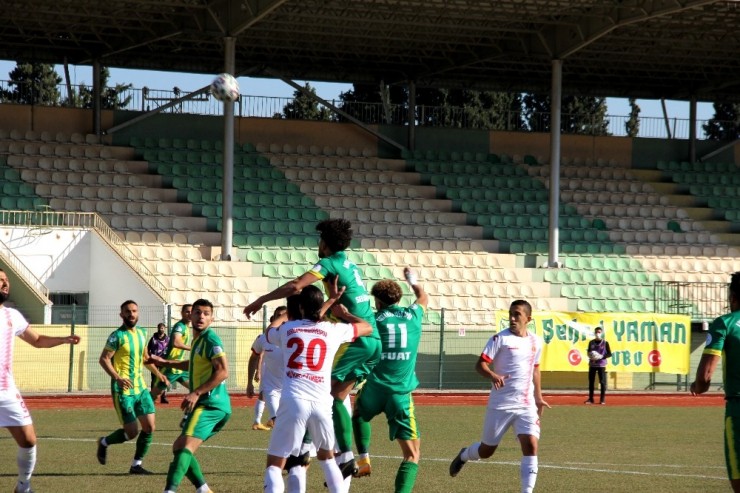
340, 311
705, 370
288, 289
155, 360
422, 298
43, 341
153, 368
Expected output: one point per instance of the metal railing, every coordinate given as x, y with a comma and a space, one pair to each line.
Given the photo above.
702, 301
146, 99
25, 272
87, 221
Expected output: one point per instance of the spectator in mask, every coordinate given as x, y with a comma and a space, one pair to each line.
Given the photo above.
598, 352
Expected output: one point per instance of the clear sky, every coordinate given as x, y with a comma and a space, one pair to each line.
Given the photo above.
277, 88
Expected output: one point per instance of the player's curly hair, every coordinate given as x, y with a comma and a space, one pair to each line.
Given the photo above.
312, 299
735, 285
336, 233
387, 291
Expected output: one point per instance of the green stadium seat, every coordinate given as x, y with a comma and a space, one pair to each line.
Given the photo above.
8, 203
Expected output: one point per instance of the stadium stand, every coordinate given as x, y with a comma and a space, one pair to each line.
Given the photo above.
472, 223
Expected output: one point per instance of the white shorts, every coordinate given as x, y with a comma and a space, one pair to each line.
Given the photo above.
13, 411
294, 417
272, 401
497, 422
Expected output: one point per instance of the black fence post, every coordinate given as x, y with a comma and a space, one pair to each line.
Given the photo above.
71, 351
441, 347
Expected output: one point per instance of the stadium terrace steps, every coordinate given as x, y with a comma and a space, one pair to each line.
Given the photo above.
186, 273
367, 190
705, 191
403, 217
71, 150
87, 176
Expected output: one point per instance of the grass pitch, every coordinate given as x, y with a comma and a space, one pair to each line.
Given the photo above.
582, 448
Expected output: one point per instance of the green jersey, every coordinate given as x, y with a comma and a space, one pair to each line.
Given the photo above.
355, 297
723, 340
128, 347
173, 352
206, 348
400, 333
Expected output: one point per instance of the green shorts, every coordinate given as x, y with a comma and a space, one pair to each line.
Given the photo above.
732, 439
398, 408
355, 361
173, 378
130, 407
204, 422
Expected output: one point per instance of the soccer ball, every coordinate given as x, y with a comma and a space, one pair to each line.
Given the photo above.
225, 88
594, 355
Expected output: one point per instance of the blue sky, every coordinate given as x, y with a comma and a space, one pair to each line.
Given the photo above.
277, 88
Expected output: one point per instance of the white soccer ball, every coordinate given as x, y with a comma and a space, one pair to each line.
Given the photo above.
225, 88
594, 356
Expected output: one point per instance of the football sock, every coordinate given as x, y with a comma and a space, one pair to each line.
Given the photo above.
194, 474
471, 453
203, 488
118, 436
142, 445
334, 479
178, 467
362, 431
297, 480
342, 426
274, 480
26, 458
259, 408
528, 472
344, 457
406, 477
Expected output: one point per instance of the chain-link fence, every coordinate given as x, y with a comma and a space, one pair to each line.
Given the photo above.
448, 351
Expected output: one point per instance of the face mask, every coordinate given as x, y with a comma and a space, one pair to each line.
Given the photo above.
598, 335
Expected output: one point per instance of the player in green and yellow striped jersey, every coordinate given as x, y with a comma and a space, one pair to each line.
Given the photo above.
179, 343
207, 407
122, 359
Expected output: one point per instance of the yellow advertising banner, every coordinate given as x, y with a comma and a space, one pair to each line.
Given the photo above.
640, 342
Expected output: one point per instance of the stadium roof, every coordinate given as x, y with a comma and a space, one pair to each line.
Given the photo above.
629, 48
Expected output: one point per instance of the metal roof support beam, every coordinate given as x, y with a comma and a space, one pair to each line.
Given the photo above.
692, 129
227, 226
665, 118
412, 116
555, 107
569, 40
336, 110
256, 14
722, 148
97, 113
160, 109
